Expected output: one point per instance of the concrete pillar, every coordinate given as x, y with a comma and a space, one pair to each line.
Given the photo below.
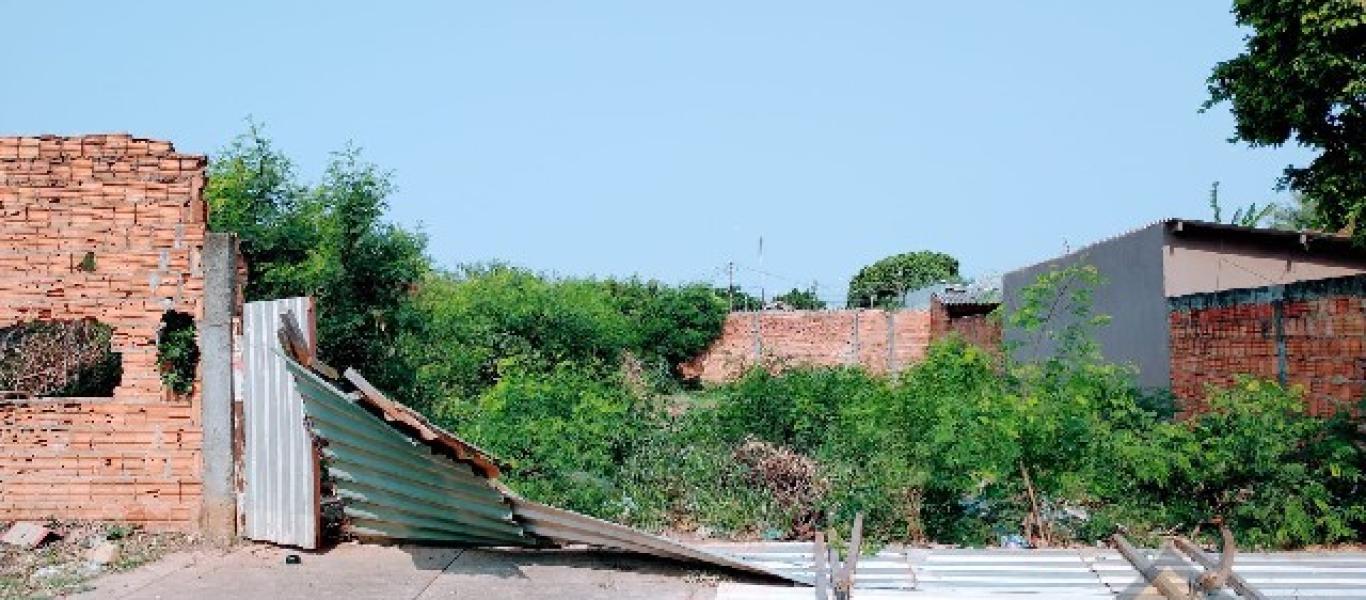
758, 338
891, 342
218, 515
854, 349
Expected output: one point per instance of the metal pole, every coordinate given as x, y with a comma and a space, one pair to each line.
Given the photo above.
1164, 581
1235, 580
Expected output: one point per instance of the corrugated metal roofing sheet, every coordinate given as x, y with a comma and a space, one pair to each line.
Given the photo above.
279, 495
565, 526
395, 486
392, 486
1063, 573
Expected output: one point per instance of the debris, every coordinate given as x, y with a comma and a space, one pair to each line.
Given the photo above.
794, 480
833, 578
26, 534
47, 572
104, 553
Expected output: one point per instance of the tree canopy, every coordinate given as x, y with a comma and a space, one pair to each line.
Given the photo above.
1302, 77
884, 282
328, 240
799, 299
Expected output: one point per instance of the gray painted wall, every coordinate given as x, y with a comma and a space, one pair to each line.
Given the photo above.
1132, 295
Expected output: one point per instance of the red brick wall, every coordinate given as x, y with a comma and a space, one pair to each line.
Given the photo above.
135, 204
814, 338
1311, 334
976, 327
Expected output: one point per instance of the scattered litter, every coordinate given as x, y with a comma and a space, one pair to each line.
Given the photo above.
48, 572
26, 534
103, 553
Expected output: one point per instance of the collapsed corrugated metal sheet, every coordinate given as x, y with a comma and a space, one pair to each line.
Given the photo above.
393, 487
279, 493
565, 526
412, 422
1060, 573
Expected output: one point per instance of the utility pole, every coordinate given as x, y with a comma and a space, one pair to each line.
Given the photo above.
763, 278
730, 284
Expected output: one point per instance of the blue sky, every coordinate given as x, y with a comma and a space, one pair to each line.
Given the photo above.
664, 139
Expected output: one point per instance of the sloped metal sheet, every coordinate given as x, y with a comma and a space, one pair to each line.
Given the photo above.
279, 495
393, 486
413, 422
396, 486
565, 526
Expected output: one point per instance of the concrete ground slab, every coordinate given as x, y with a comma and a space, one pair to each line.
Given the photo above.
561, 574
399, 572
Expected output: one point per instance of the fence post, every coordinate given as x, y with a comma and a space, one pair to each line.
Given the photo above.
218, 514
891, 341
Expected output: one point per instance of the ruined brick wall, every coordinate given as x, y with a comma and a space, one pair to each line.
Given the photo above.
879, 340
136, 205
1311, 333
977, 327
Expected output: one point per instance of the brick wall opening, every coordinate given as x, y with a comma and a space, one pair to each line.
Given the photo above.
177, 352
59, 359
109, 228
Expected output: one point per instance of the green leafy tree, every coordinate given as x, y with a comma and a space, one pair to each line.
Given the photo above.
801, 299
1302, 77
884, 282
329, 240
738, 299
1299, 215
252, 192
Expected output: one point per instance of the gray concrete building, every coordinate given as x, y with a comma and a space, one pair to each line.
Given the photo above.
1177, 257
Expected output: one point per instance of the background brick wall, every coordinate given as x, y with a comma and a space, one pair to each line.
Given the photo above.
814, 338
136, 204
1311, 333
973, 323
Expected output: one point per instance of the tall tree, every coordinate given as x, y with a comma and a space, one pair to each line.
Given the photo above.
1302, 77
884, 282
799, 299
329, 240
252, 191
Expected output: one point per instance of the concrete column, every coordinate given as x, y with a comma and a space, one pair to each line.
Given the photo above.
218, 515
758, 338
854, 351
891, 342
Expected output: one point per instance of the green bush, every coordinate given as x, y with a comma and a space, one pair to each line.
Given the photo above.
563, 433
960, 448
178, 352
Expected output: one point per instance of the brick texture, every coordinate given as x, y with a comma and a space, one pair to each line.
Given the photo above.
878, 340
973, 323
136, 205
1311, 334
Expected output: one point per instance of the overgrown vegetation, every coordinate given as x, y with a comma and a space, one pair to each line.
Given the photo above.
572, 381
328, 240
1300, 79
59, 359
962, 448
177, 352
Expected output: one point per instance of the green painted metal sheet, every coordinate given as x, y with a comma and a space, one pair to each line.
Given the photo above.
394, 487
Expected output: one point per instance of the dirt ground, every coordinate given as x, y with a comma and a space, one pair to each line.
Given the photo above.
61, 565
